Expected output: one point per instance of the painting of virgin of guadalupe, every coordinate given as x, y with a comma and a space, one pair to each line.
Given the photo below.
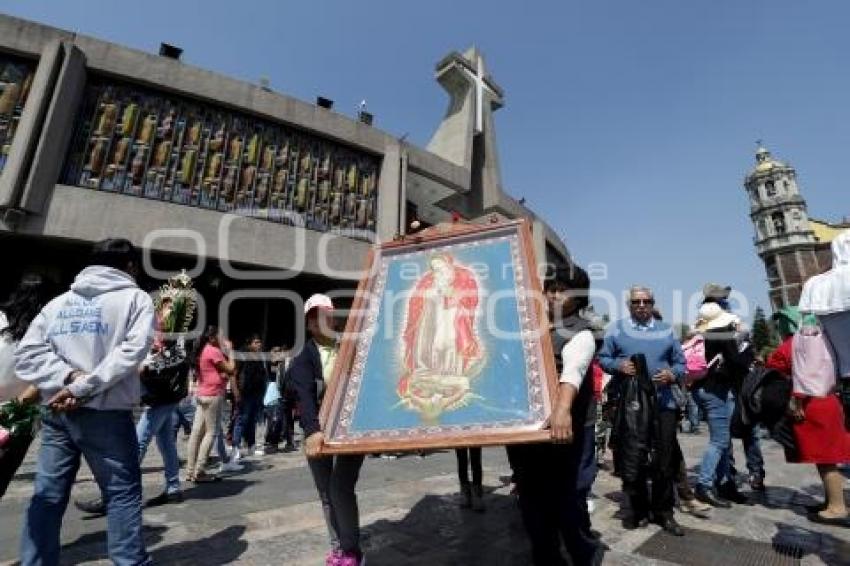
443, 346
442, 351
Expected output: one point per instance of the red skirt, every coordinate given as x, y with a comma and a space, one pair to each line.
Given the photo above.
821, 437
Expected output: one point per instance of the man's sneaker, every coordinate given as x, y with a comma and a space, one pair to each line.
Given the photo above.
757, 482
230, 467
259, 451
165, 498
670, 525
289, 448
236, 456
92, 507
695, 507
707, 495
729, 492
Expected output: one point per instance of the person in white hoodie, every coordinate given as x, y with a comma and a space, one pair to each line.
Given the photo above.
83, 352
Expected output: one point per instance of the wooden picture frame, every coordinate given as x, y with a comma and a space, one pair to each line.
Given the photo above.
399, 385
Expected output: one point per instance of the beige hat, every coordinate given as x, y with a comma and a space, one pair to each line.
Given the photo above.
319, 301
712, 316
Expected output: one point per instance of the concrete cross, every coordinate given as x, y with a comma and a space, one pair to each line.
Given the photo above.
478, 79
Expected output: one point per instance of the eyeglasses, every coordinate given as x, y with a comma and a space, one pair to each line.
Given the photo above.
639, 302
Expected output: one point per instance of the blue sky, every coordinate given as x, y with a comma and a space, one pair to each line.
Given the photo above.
630, 124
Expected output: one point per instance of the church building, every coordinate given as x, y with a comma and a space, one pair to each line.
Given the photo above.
792, 245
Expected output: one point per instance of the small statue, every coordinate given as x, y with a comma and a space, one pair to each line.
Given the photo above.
137, 166
187, 166
218, 139
283, 155
96, 156
195, 133
262, 190
167, 124
352, 176
268, 158
247, 180
148, 127
235, 148
214, 168
253, 149
301, 194
120, 152
107, 119
280, 180
128, 119
161, 156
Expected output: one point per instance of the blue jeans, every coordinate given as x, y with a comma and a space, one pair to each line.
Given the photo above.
715, 460
692, 412
752, 451
107, 440
184, 415
158, 422
250, 411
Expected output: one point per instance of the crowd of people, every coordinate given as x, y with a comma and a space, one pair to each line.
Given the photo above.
90, 356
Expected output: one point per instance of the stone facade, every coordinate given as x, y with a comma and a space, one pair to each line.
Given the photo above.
88, 127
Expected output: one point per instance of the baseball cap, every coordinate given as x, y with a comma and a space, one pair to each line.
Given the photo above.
319, 301
716, 291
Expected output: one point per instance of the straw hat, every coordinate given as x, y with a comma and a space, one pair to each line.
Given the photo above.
712, 317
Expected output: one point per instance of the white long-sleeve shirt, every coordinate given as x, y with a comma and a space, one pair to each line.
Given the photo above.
577, 355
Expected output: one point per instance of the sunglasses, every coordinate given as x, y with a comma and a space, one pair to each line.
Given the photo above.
639, 302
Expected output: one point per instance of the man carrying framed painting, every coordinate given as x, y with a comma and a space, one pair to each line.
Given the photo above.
646, 360
335, 476
554, 478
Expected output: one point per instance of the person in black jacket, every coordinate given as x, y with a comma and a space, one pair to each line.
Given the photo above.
254, 374
728, 364
335, 476
554, 478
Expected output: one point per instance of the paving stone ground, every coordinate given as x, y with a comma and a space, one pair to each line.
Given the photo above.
269, 514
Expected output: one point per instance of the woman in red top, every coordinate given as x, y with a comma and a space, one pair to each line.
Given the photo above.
214, 369
819, 428
787, 321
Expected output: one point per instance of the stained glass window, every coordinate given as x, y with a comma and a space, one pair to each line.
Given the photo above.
135, 141
15, 81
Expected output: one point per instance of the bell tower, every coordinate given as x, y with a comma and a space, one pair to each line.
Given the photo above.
784, 239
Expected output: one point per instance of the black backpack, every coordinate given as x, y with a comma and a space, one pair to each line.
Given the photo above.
165, 378
763, 399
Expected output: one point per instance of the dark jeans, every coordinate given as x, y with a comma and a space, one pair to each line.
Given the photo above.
183, 416
15, 452
464, 457
663, 473
553, 481
289, 421
107, 440
274, 423
336, 479
250, 409
752, 451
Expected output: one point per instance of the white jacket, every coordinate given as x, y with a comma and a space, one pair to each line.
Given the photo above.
830, 292
102, 326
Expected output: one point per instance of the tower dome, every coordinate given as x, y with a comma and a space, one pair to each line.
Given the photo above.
765, 162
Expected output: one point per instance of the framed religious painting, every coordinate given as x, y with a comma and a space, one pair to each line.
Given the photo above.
445, 345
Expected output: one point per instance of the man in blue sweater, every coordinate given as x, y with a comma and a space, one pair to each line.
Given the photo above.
640, 333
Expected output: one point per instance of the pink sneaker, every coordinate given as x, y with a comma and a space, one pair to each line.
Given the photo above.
350, 559
333, 558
